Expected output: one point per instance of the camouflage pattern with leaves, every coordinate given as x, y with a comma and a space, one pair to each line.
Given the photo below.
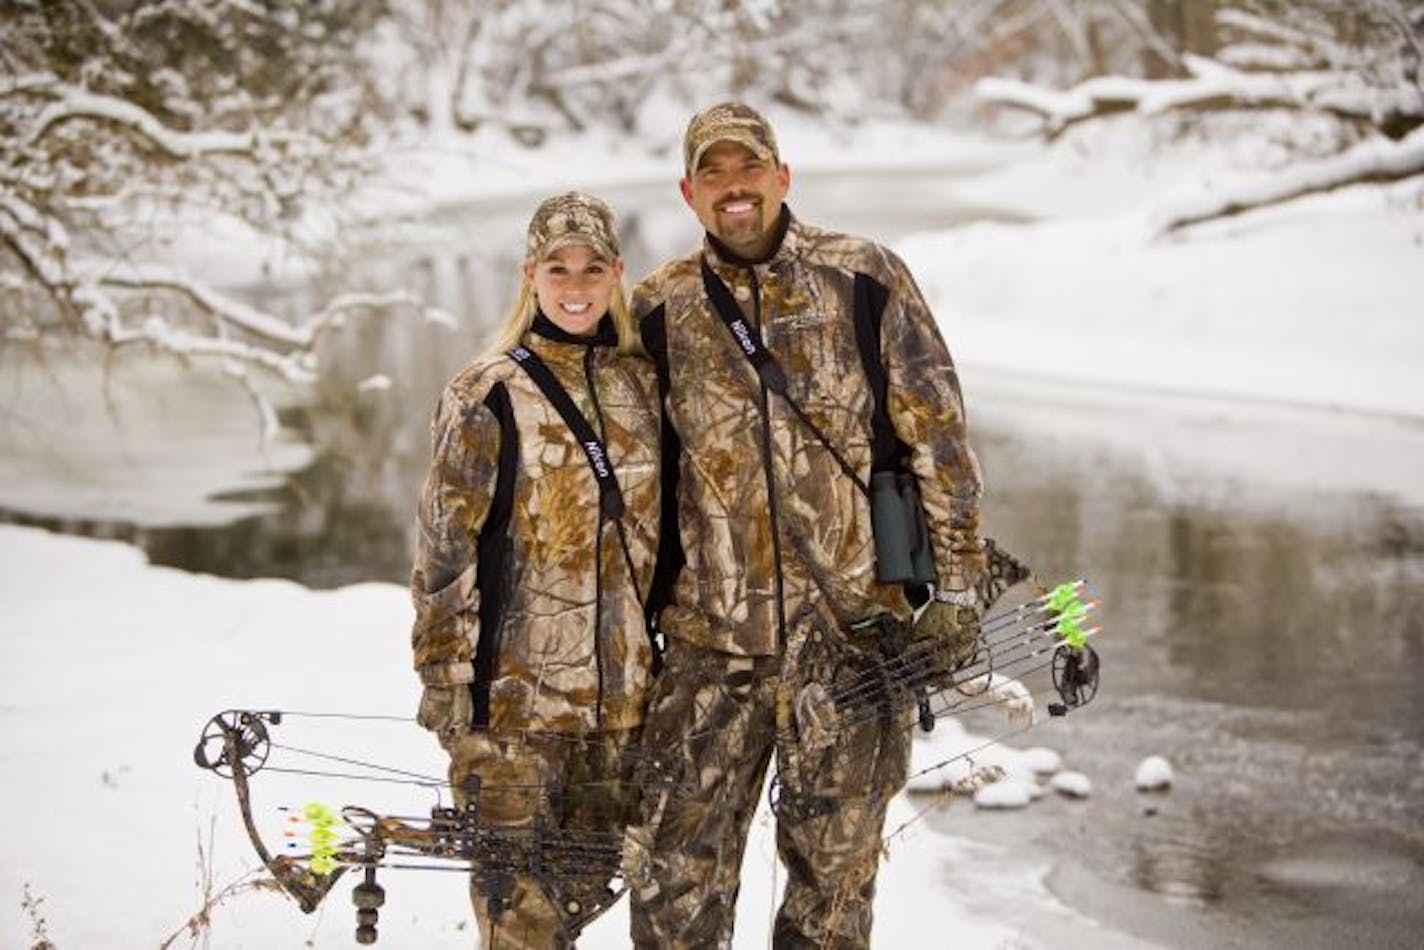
726, 596
549, 672
714, 723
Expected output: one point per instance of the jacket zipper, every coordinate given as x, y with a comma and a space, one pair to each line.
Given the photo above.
597, 549
767, 469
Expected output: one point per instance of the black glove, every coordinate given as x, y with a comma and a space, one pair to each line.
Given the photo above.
446, 710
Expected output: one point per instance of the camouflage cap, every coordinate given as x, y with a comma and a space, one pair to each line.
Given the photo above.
571, 218
727, 122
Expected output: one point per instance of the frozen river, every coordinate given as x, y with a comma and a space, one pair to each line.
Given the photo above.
1261, 567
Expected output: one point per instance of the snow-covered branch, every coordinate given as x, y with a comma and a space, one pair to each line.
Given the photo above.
236, 355
1358, 66
1211, 85
296, 342
77, 105
157, 330
1377, 160
221, 308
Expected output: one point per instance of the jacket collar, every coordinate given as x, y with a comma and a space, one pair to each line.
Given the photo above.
603, 334
786, 246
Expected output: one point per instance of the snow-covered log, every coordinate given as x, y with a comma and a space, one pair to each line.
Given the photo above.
1377, 160
1215, 85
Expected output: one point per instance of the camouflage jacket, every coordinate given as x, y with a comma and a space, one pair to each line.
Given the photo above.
520, 589
767, 522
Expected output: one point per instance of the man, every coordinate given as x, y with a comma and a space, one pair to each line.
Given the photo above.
769, 576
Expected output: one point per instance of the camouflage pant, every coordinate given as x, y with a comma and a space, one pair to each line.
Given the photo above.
714, 724
567, 784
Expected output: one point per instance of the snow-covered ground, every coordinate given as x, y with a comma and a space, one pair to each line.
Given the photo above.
1317, 302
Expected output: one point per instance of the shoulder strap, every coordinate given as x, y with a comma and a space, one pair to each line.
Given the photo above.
887, 450
770, 372
609, 493
747, 339
671, 557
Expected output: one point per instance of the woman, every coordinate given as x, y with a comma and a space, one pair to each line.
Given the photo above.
538, 530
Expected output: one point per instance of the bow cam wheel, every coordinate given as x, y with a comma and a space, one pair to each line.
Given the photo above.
1075, 675
233, 739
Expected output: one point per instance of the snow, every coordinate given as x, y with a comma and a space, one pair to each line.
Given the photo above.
1071, 784
1371, 159
1007, 695
1209, 81
1006, 794
74, 104
378, 382
1314, 303
1042, 760
1154, 773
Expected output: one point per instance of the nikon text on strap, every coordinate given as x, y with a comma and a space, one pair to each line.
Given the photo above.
609, 493
767, 369
747, 339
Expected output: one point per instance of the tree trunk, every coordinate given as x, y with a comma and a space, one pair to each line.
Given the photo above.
1199, 27
1188, 26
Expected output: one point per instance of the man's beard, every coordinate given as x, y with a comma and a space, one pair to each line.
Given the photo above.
745, 232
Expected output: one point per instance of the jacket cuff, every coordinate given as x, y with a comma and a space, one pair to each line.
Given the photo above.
447, 674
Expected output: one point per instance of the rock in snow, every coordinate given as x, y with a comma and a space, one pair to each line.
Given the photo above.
1042, 760
1154, 774
1006, 793
1072, 784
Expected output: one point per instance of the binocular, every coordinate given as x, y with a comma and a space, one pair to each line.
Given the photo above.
902, 537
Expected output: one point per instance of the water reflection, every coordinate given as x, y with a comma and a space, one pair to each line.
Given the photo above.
1192, 871
1264, 638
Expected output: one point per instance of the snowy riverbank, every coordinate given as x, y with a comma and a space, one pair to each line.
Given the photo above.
1316, 303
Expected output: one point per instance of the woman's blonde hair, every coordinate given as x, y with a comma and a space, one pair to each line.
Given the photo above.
521, 317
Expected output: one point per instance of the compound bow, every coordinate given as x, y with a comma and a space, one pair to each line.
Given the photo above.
236, 744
